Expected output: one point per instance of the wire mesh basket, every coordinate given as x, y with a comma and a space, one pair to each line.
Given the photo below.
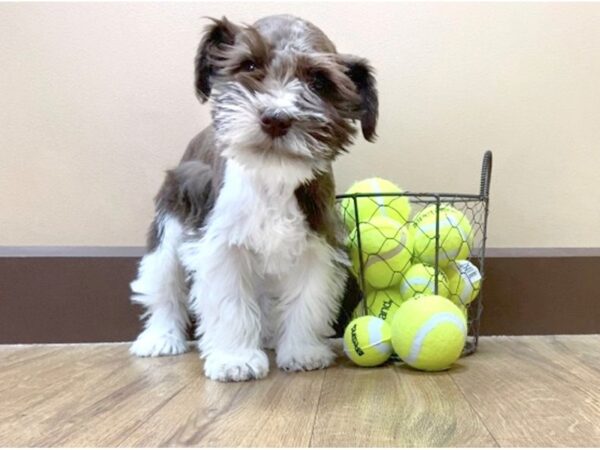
406, 244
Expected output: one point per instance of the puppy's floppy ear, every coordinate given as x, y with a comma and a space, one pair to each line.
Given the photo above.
217, 36
362, 74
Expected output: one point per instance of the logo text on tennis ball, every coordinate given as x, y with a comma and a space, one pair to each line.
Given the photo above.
385, 308
355, 341
464, 282
367, 341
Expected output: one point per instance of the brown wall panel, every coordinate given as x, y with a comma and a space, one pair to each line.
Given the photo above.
66, 300
541, 296
86, 299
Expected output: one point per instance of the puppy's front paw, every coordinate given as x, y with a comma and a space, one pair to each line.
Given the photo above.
152, 343
239, 366
308, 357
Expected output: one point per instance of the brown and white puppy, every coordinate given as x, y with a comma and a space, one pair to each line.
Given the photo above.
248, 217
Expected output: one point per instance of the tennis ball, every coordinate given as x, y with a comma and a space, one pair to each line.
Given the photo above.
382, 304
386, 251
454, 235
429, 332
394, 207
420, 279
367, 341
464, 282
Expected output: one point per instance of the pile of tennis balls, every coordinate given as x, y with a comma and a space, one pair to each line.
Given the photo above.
396, 252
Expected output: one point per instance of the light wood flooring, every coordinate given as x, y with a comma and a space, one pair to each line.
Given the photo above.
515, 391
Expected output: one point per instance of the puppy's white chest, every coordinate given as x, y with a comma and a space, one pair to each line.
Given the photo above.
264, 219
276, 237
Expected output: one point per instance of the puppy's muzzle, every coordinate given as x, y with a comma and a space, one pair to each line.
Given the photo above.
275, 123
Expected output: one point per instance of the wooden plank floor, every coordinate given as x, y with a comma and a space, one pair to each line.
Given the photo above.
515, 391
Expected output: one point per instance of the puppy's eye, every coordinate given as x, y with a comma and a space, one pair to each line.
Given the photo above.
248, 66
320, 83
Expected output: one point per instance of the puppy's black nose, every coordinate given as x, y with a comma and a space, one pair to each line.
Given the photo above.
275, 124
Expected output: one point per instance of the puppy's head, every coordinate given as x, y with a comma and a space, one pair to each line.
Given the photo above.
281, 93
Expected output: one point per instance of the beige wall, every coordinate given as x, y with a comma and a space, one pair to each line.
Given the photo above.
96, 101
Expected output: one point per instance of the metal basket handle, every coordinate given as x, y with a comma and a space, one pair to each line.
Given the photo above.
486, 175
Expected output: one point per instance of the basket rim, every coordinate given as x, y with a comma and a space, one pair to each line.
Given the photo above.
432, 195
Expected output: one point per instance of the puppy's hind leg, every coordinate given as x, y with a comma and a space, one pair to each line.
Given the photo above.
161, 283
160, 288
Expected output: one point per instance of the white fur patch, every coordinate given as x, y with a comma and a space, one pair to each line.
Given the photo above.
160, 288
308, 301
260, 214
258, 261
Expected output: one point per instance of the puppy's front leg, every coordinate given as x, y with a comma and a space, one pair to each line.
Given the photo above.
309, 306
224, 299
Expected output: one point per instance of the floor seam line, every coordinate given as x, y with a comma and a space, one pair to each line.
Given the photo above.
154, 412
475, 411
312, 431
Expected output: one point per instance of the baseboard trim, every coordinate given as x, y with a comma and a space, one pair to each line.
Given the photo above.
543, 252
81, 294
71, 252
137, 252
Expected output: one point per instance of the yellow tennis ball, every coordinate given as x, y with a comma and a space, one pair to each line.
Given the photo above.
393, 207
420, 279
455, 238
382, 304
464, 282
429, 332
386, 251
367, 341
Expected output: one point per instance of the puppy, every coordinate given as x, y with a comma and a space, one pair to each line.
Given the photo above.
246, 236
